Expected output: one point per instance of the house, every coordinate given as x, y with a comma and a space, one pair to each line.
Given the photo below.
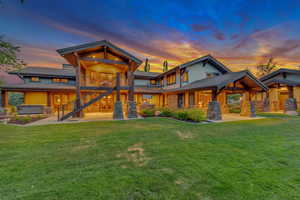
102, 77
284, 93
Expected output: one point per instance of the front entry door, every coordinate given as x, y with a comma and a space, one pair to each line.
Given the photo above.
59, 100
106, 104
180, 100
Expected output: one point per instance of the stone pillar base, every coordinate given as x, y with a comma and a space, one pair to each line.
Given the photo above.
214, 111
266, 105
248, 109
118, 110
131, 109
290, 107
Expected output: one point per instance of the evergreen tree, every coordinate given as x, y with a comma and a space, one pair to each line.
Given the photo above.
147, 65
165, 66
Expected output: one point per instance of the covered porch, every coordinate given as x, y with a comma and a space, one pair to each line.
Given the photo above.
210, 94
283, 96
106, 67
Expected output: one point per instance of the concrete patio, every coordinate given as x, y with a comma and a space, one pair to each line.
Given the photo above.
90, 117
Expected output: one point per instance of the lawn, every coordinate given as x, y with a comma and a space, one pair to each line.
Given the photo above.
152, 159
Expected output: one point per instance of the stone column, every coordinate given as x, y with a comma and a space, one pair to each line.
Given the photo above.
131, 108
266, 103
118, 107
290, 106
247, 106
214, 109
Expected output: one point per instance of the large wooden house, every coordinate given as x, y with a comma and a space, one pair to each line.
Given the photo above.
102, 77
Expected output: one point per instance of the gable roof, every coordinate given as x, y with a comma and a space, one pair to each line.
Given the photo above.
279, 71
221, 81
37, 87
210, 58
275, 80
46, 72
142, 74
90, 45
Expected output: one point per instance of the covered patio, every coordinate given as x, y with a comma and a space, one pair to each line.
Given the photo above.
284, 93
211, 94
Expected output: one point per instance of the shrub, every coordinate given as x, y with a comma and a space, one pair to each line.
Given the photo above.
147, 112
166, 112
13, 109
196, 115
234, 108
22, 119
181, 114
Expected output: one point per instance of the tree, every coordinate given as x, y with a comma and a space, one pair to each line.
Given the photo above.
147, 65
264, 69
22, 1
165, 66
8, 55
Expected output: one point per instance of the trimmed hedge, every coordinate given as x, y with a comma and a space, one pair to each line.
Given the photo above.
192, 114
147, 112
165, 112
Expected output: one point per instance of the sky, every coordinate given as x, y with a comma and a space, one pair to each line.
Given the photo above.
240, 33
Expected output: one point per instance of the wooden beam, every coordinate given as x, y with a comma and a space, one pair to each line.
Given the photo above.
106, 61
235, 88
48, 99
214, 95
4, 99
105, 52
118, 86
102, 88
290, 91
78, 77
130, 82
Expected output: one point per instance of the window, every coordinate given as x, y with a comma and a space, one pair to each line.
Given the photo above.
213, 74
35, 79
171, 79
64, 80
147, 98
56, 80
93, 76
153, 82
185, 77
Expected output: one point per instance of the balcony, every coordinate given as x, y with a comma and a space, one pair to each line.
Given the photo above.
149, 86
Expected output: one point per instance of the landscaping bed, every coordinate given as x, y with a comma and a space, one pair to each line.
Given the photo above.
23, 120
189, 115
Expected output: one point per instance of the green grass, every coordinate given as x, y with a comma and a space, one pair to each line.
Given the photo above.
154, 158
275, 115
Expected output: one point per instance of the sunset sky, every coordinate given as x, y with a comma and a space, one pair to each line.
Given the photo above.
239, 33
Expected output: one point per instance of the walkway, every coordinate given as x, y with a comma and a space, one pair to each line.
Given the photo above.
236, 117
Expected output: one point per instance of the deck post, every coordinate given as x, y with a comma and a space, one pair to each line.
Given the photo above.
131, 108
118, 107
214, 109
290, 106
4, 98
78, 82
266, 102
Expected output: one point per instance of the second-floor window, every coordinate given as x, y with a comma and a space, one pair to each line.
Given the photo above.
171, 79
59, 80
185, 77
35, 79
210, 75
153, 82
93, 76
